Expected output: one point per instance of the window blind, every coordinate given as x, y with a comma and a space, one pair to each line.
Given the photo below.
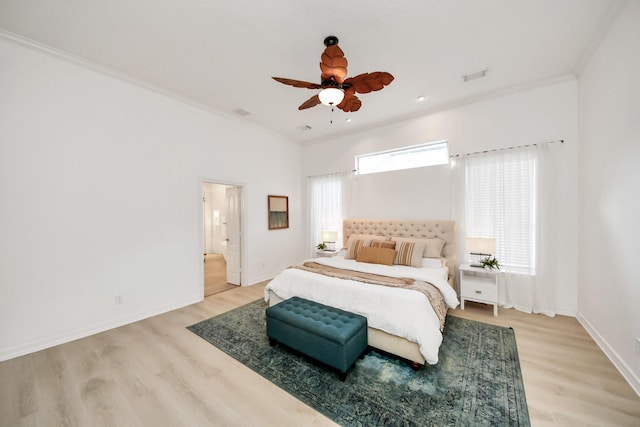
500, 203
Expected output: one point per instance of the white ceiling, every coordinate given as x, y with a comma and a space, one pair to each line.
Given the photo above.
222, 54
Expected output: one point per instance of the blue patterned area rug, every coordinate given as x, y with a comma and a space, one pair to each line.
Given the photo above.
477, 381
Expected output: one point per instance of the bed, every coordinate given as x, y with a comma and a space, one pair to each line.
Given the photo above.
402, 322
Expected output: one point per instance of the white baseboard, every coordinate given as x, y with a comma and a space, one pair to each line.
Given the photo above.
38, 345
566, 312
256, 280
617, 361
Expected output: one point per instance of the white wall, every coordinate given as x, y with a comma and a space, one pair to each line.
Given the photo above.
100, 195
527, 117
609, 130
384, 195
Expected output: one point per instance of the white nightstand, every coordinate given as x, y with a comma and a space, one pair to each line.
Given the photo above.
321, 253
479, 285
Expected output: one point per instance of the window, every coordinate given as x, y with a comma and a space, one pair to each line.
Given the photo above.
326, 206
501, 203
436, 153
514, 195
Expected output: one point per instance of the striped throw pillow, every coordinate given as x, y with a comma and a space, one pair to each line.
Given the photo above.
354, 249
387, 244
409, 253
432, 246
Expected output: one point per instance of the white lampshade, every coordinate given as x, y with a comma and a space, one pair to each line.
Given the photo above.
329, 235
331, 96
481, 245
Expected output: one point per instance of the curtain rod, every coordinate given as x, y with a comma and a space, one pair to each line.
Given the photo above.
561, 141
332, 173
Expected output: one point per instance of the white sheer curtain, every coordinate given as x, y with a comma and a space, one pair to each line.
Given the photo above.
328, 203
512, 196
548, 227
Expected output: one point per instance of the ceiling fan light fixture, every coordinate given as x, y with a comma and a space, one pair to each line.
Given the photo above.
331, 96
335, 88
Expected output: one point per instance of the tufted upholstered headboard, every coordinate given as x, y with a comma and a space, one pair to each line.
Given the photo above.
445, 230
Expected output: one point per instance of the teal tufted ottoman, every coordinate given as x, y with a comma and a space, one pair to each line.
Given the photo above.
330, 335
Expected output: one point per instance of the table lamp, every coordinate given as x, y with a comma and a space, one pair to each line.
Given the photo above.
329, 238
480, 248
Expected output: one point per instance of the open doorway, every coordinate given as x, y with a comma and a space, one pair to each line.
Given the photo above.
221, 208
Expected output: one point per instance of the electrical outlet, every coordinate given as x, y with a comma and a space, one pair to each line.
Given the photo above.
118, 299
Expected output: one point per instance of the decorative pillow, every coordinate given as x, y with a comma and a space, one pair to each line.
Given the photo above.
409, 253
366, 237
354, 248
433, 246
388, 244
372, 255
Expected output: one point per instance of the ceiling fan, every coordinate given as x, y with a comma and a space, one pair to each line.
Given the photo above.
335, 88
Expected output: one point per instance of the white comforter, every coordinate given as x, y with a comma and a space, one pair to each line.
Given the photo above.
400, 312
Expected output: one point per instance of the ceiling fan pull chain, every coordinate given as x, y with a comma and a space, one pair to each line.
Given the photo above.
331, 115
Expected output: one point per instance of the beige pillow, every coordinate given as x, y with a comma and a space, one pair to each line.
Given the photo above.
388, 244
433, 246
354, 248
371, 255
409, 253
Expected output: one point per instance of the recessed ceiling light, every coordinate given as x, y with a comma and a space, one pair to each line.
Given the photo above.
421, 98
306, 127
348, 120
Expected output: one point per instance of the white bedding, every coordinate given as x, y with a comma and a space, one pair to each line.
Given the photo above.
401, 312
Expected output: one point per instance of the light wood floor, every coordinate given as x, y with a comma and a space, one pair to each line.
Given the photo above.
156, 373
215, 275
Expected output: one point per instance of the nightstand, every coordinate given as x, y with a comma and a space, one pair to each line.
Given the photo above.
479, 285
328, 254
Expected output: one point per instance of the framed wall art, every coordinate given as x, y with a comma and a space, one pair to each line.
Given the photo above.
278, 212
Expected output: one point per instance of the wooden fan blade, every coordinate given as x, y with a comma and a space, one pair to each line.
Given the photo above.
297, 83
311, 102
369, 82
333, 64
350, 103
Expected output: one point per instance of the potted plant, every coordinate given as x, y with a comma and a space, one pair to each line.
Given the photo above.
490, 263
321, 246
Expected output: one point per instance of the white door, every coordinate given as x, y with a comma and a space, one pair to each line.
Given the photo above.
233, 235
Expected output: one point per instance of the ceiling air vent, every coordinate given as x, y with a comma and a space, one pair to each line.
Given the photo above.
475, 75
